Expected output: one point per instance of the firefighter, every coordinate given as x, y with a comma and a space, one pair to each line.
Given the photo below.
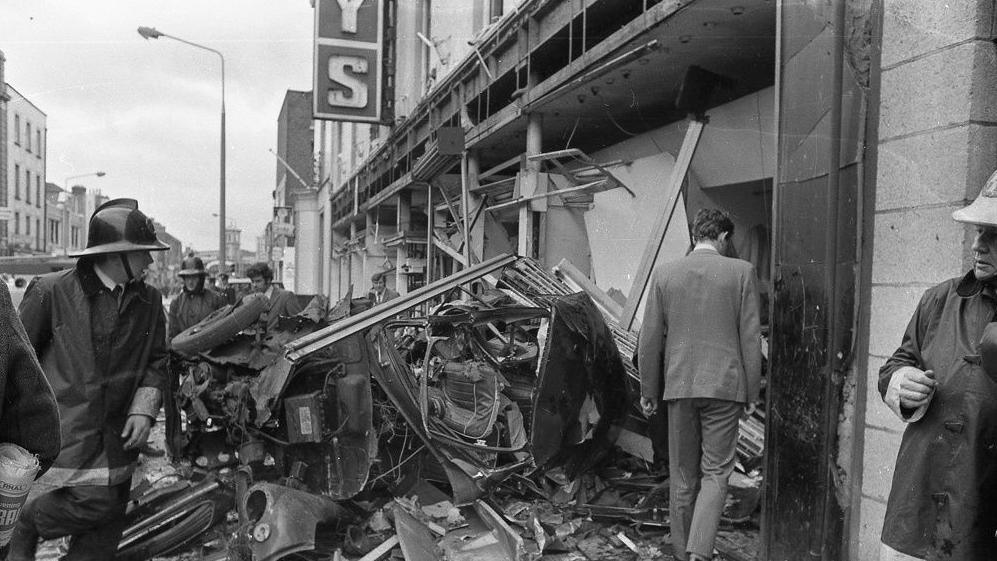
195, 301
100, 333
942, 382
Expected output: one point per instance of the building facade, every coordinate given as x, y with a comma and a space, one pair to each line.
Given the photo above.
295, 185
25, 196
841, 134
66, 219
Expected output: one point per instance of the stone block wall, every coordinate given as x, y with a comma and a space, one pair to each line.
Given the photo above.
937, 145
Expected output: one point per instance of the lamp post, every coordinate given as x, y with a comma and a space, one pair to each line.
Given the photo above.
68, 186
152, 33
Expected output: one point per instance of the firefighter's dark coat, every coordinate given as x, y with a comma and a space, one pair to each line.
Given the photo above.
190, 307
104, 360
943, 502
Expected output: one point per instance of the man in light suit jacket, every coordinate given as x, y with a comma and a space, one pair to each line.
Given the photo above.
700, 352
281, 302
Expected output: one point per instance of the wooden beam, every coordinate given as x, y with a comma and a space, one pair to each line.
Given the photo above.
653, 247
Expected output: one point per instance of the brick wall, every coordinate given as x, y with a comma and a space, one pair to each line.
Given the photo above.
937, 145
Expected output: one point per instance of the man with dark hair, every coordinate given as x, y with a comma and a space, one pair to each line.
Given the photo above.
379, 291
195, 302
100, 334
700, 352
281, 302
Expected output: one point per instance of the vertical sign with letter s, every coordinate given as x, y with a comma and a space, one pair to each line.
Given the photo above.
349, 78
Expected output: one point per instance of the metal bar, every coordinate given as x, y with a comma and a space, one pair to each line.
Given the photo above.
657, 237
569, 153
493, 170
449, 250
453, 211
521, 200
430, 234
322, 338
601, 298
465, 198
189, 497
494, 184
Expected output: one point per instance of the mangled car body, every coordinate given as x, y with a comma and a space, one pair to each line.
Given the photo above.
491, 385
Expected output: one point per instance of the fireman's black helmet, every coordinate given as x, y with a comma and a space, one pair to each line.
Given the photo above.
192, 267
118, 226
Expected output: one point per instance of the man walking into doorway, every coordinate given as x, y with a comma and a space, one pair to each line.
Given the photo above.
700, 352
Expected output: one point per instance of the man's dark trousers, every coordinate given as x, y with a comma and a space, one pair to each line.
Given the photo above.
702, 444
93, 517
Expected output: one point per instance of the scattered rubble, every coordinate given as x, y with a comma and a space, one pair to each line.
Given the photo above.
482, 431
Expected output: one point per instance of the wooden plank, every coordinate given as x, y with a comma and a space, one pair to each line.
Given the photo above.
653, 247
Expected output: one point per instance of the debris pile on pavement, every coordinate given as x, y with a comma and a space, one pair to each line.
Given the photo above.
502, 426
619, 511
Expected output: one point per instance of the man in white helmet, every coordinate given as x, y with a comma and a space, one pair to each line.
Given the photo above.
942, 382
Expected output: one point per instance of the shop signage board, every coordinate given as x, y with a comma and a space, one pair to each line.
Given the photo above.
283, 229
349, 80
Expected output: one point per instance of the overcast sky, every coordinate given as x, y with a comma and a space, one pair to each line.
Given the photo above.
147, 112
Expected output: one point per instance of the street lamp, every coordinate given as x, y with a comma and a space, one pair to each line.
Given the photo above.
153, 33
69, 188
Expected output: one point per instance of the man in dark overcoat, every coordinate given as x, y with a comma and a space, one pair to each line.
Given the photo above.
100, 334
942, 382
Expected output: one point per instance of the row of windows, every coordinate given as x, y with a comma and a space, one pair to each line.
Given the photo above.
27, 228
55, 234
27, 187
27, 135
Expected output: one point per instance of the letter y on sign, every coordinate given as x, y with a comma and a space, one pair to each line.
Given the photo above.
350, 9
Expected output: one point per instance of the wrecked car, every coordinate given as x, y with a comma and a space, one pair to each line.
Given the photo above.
488, 386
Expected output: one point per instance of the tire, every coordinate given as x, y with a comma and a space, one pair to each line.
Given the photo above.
219, 326
195, 521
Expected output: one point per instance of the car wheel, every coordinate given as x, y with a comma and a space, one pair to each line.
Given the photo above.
220, 326
188, 524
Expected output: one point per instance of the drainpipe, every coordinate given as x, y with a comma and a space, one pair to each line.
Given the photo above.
832, 365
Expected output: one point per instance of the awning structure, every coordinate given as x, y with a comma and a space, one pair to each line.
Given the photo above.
598, 71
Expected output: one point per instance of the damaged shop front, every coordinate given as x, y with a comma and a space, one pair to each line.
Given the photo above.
582, 135
483, 430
